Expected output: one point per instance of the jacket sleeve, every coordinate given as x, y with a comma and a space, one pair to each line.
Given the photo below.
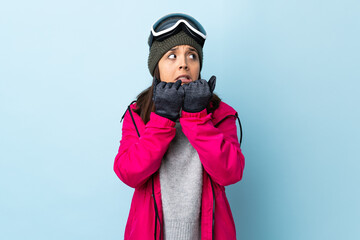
218, 148
139, 157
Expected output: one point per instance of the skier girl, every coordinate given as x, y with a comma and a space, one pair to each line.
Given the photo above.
179, 145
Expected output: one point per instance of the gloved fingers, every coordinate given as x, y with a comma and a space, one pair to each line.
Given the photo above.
202, 84
169, 85
162, 85
189, 86
181, 91
202, 81
177, 84
212, 83
185, 86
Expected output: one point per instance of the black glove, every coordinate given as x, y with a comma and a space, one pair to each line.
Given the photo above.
198, 94
168, 99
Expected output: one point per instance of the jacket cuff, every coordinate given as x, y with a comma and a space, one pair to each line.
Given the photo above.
161, 121
200, 114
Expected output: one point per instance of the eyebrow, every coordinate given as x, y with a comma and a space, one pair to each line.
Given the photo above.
175, 48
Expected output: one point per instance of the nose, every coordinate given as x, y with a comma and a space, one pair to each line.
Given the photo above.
183, 64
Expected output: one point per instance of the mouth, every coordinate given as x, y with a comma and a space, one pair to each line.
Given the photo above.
184, 78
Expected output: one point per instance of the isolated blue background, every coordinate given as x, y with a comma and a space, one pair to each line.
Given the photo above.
68, 69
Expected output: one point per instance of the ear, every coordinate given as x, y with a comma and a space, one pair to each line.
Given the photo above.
212, 83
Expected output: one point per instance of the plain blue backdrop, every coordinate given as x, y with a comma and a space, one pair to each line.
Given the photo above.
68, 69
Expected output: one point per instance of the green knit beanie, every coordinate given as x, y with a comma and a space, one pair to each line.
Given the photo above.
158, 49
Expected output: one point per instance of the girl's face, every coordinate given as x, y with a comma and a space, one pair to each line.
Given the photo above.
180, 63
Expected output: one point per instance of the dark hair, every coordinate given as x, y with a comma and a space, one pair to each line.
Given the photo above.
145, 105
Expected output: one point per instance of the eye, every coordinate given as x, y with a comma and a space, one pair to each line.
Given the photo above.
193, 56
171, 56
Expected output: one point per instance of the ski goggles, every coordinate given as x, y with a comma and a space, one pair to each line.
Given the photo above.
173, 23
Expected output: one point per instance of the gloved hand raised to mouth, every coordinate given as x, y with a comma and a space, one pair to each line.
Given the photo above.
168, 98
198, 94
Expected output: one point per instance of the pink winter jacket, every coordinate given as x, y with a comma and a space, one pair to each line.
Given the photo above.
139, 158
